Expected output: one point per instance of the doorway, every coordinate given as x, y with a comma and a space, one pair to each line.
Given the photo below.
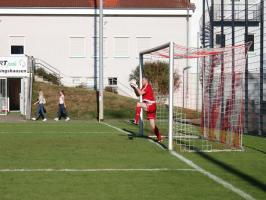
14, 90
3, 96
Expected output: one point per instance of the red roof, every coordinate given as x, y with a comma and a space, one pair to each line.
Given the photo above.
94, 3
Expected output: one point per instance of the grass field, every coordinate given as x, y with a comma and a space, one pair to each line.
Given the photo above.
88, 160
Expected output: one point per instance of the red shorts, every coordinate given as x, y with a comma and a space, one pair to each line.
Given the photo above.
151, 110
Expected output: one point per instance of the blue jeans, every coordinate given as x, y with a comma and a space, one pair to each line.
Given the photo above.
62, 111
40, 111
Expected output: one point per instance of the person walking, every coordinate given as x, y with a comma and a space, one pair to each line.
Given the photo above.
62, 112
41, 109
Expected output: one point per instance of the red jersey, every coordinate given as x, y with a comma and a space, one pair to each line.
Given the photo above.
148, 93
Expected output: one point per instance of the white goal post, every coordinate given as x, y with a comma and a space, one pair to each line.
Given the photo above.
169, 45
219, 122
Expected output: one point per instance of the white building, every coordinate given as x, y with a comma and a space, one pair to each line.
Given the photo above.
63, 35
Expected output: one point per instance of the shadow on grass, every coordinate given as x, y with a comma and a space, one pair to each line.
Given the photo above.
255, 134
251, 180
255, 149
132, 135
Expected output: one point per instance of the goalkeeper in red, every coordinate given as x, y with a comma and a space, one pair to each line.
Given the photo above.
148, 104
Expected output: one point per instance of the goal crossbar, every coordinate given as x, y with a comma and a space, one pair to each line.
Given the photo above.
171, 52
169, 45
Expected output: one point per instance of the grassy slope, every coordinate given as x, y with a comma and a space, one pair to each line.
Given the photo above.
82, 103
82, 145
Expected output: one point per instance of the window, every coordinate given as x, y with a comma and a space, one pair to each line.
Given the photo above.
250, 38
220, 40
143, 43
112, 81
77, 47
76, 80
17, 49
121, 47
17, 44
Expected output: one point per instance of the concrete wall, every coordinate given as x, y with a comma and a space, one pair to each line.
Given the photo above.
48, 38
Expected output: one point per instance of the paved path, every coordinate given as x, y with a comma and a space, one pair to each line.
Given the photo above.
12, 117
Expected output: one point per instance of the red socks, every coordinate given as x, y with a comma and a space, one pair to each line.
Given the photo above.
155, 130
157, 133
137, 115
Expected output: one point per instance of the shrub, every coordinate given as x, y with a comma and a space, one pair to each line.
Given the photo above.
158, 75
47, 76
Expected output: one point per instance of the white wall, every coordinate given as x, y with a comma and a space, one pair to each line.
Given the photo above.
48, 38
194, 30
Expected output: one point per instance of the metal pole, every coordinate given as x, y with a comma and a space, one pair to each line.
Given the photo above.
203, 73
261, 64
246, 69
233, 58
222, 67
101, 76
233, 25
222, 24
163, 46
183, 102
197, 89
30, 86
141, 66
185, 70
187, 32
211, 24
171, 91
187, 60
203, 23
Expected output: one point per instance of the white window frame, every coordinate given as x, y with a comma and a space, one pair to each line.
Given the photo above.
112, 81
137, 49
128, 42
84, 46
75, 82
10, 44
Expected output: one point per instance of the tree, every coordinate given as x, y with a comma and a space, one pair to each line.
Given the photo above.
158, 74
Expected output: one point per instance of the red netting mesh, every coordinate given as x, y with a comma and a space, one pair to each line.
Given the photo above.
222, 73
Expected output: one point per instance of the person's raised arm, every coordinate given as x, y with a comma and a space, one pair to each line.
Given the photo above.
36, 102
137, 90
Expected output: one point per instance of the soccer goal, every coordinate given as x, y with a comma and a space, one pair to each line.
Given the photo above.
203, 111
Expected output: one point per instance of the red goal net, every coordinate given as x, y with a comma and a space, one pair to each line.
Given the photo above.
222, 72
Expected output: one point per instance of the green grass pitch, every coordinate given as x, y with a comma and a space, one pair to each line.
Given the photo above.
80, 145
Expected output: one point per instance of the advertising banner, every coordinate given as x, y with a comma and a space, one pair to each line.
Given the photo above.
13, 66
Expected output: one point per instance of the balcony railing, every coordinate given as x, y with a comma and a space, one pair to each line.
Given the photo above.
239, 13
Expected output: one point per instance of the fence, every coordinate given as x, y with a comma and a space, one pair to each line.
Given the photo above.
232, 24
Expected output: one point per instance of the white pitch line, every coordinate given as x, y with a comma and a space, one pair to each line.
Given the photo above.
23, 132
127, 133
93, 170
213, 177
201, 170
118, 129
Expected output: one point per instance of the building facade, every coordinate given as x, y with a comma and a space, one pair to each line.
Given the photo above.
63, 35
227, 23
